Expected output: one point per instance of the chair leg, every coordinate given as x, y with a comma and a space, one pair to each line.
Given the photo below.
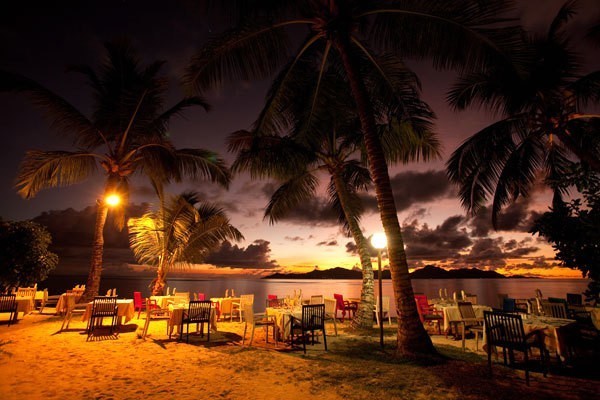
244, 336
463, 336
335, 327
146, 325
252, 335
303, 342
324, 338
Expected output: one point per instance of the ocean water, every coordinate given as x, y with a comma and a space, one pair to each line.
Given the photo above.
485, 289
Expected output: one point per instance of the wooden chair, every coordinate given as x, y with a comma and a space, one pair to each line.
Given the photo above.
554, 309
239, 306
313, 318
255, 320
275, 303
330, 310
343, 306
506, 330
71, 309
226, 308
155, 313
198, 313
428, 313
8, 304
469, 320
103, 307
316, 299
575, 299
385, 307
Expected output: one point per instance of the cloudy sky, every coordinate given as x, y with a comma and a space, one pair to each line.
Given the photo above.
40, 41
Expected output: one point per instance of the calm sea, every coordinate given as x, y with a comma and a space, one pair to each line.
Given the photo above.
486, 289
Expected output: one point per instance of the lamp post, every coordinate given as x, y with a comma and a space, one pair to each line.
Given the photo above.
379, 241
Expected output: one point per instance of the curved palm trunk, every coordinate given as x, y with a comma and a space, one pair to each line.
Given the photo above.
159, 283
364, 314
412, 339
93, 281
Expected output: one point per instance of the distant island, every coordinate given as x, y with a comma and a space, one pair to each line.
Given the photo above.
427, 272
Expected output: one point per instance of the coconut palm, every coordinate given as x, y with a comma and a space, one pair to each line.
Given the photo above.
323, 138
125, 133
453, 34
181, 232
544, 125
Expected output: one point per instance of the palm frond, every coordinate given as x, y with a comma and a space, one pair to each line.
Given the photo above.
46, 169
199, 163
289, 195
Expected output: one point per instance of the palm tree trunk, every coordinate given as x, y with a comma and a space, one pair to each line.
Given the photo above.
412, 338
93, 281
364, 314
158, 286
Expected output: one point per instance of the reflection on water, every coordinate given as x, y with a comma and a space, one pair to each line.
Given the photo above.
485, 289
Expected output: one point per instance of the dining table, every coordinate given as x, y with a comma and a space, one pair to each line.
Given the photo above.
163, 301
66, 300
177, 310
125, 311
283, 319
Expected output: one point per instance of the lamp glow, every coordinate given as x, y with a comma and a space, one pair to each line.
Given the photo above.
379, 240
113, 200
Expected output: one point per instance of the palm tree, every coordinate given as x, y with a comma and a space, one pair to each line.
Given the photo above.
323, 138
544, 122
181, 232
453, 34
126, 133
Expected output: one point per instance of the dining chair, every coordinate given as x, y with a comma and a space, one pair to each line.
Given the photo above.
344, 305
385, 307
198, 312
155, 313
254, 320
71, 308
506, 330
313, 318
239, 305
428, 313
318, 299
8, 304
103, 307
554, 309
469, 320
330, 310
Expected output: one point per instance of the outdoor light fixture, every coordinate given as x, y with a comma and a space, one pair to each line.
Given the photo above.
379, 241
112, 200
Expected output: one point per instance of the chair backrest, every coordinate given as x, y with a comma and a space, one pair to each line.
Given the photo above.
275, 303
554, 310
137, 299
316, 299
538, 294
246, 299
471, 298
226, 306
151, 305
509, 305
330, 306
466, 310
385, 303
504, 329
181, 297
313, 316
422, 303
575, 299
201, 296
339, 301
26, 292
271, 296
199, 311
501, 297
7, 302
104, 306
248, 313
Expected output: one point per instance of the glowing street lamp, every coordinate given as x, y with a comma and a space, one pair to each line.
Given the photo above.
113, 200
379, 241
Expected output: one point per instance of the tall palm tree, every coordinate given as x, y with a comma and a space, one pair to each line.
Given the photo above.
125, 133
323, 137
453, 34
182, 231
544, 124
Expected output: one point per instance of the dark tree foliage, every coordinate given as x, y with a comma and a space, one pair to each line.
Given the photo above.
25, 258
573, 229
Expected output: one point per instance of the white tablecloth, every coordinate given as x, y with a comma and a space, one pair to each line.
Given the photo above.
177, 315
283, 319
452, 314
125, 310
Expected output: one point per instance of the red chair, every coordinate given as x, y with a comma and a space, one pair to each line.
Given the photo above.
271, 297
139, 304
427, 313
201, 296
343, 306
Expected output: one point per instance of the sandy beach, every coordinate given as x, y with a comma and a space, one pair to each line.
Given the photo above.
39, 362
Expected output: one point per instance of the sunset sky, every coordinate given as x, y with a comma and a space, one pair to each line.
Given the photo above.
41, 42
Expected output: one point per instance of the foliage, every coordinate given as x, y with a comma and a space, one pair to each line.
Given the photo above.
573, 228
183, 231
25, 258
542, 96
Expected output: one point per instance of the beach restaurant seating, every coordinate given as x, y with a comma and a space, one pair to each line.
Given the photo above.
428, 313
198, 312
469, 321
318, 299
255, 320
8, 304
155, 313
506, 330
103, 307
330, 310
385, 307
343, 306
554, 309
275, 303
313, 318
238, 306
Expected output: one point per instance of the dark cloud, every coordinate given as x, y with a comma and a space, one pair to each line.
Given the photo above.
441, 243
256, 256
516, 217
351, 248
328, 243
413, 187
294, 238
